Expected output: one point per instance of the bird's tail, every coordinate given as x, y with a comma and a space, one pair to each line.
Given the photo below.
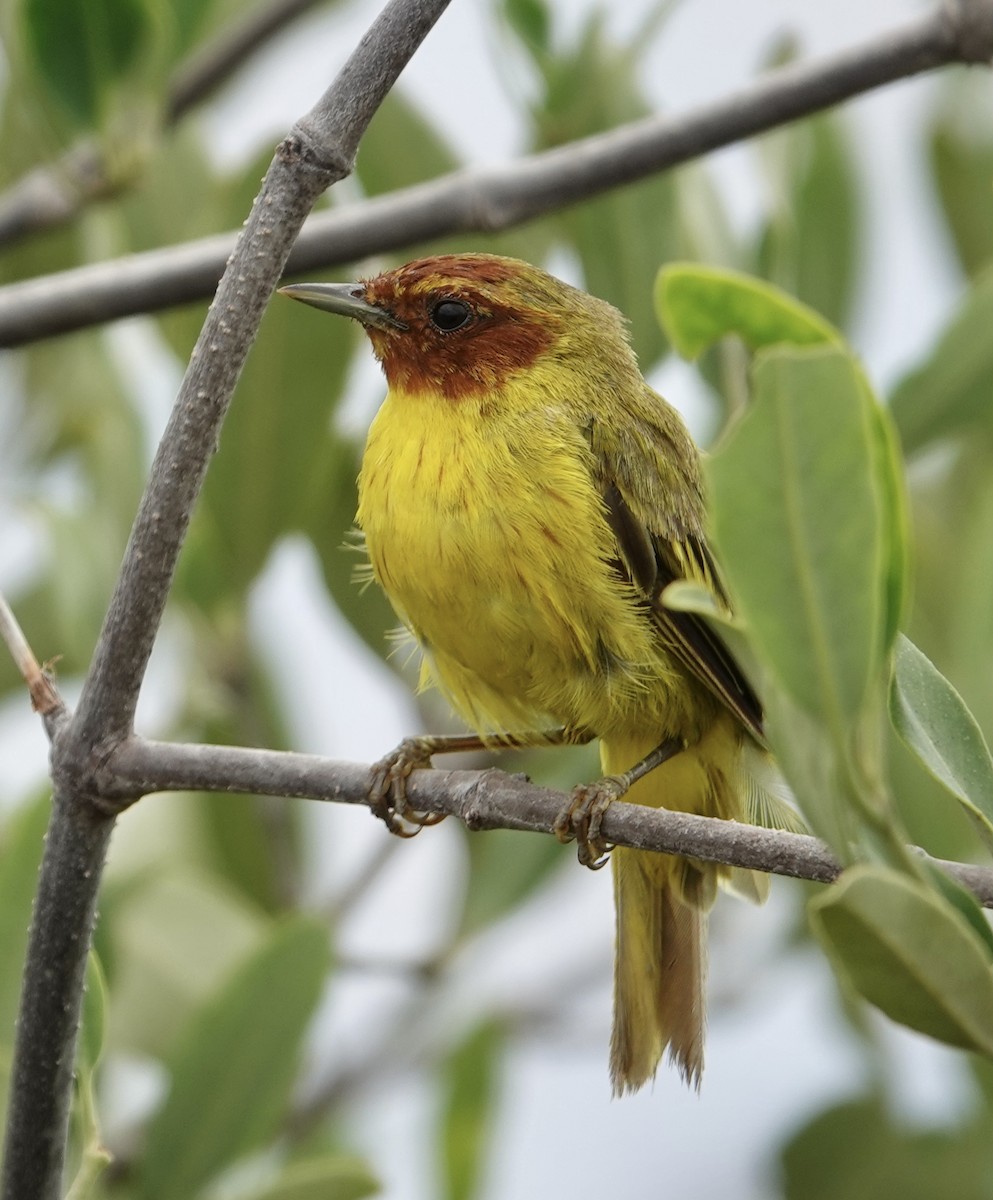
662, 903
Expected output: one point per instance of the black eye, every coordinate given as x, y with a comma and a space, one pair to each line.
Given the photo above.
449, 315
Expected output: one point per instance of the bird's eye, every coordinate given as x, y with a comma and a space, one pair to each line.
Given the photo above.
449, 315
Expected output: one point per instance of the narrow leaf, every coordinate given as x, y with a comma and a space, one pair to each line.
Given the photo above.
698, 305
505, 868
337, 1177
950, 392
468, 1116
907, 951
94, 1024
810, 244
935, 724
82, 46
400, 148
797, 518
232, 1073
20, 854
961, 152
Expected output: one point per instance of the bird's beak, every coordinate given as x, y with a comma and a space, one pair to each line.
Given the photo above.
345, 299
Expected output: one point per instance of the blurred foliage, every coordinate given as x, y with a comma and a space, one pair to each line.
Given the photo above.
210, 962
859, 1151
809, 243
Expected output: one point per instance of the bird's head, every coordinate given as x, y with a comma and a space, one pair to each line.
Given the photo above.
462, 324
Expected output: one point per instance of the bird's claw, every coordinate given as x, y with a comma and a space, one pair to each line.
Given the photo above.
388, 790
581, 818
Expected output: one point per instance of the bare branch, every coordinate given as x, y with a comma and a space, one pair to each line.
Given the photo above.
319, 150
486, 800
45, 699
51, 997
499, 198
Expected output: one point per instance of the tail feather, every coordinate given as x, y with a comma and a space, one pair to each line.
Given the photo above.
660, 968
662, 904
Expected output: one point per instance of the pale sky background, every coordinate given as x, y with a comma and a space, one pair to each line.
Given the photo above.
776, 1052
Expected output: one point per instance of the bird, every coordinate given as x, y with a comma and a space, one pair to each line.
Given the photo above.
525, 499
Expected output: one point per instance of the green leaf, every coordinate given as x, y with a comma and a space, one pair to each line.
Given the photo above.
810, 244
94, 1024
894, 530
950, 392
698, 305
82, 47
276, 452
961, 152
248, 839
191, 18
401, 147
858, 1151
253, 843
531, 21
93, 1157
591, 86
20, 856
798, 522
469, 1082
504, 869
907, 951
364, 605
818, 772
170, 938
934, 722
965, 901
232, 1073
336, 1177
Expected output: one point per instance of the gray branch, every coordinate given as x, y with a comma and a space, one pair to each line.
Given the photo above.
484, 800
499, 198
319, 150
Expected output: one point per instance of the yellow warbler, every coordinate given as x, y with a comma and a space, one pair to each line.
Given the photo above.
525, 498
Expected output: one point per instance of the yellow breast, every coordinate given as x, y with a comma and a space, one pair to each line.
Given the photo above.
485, 529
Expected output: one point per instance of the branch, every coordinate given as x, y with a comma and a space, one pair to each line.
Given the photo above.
486, 800
320, 149
500, 198
51, 997
52, 195
45, 698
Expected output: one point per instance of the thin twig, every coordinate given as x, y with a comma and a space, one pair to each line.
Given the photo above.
45, 698
320, 149
499, 198
488, 799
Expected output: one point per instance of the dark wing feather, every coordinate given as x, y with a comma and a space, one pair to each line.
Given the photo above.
652, 562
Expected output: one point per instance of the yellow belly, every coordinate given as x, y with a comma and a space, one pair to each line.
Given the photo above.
488, 535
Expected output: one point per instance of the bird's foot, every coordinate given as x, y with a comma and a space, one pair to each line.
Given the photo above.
388, 790
581, 818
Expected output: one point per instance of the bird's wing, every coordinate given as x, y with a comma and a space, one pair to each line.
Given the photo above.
655, 510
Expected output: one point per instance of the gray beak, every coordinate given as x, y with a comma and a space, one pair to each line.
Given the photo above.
345, 299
